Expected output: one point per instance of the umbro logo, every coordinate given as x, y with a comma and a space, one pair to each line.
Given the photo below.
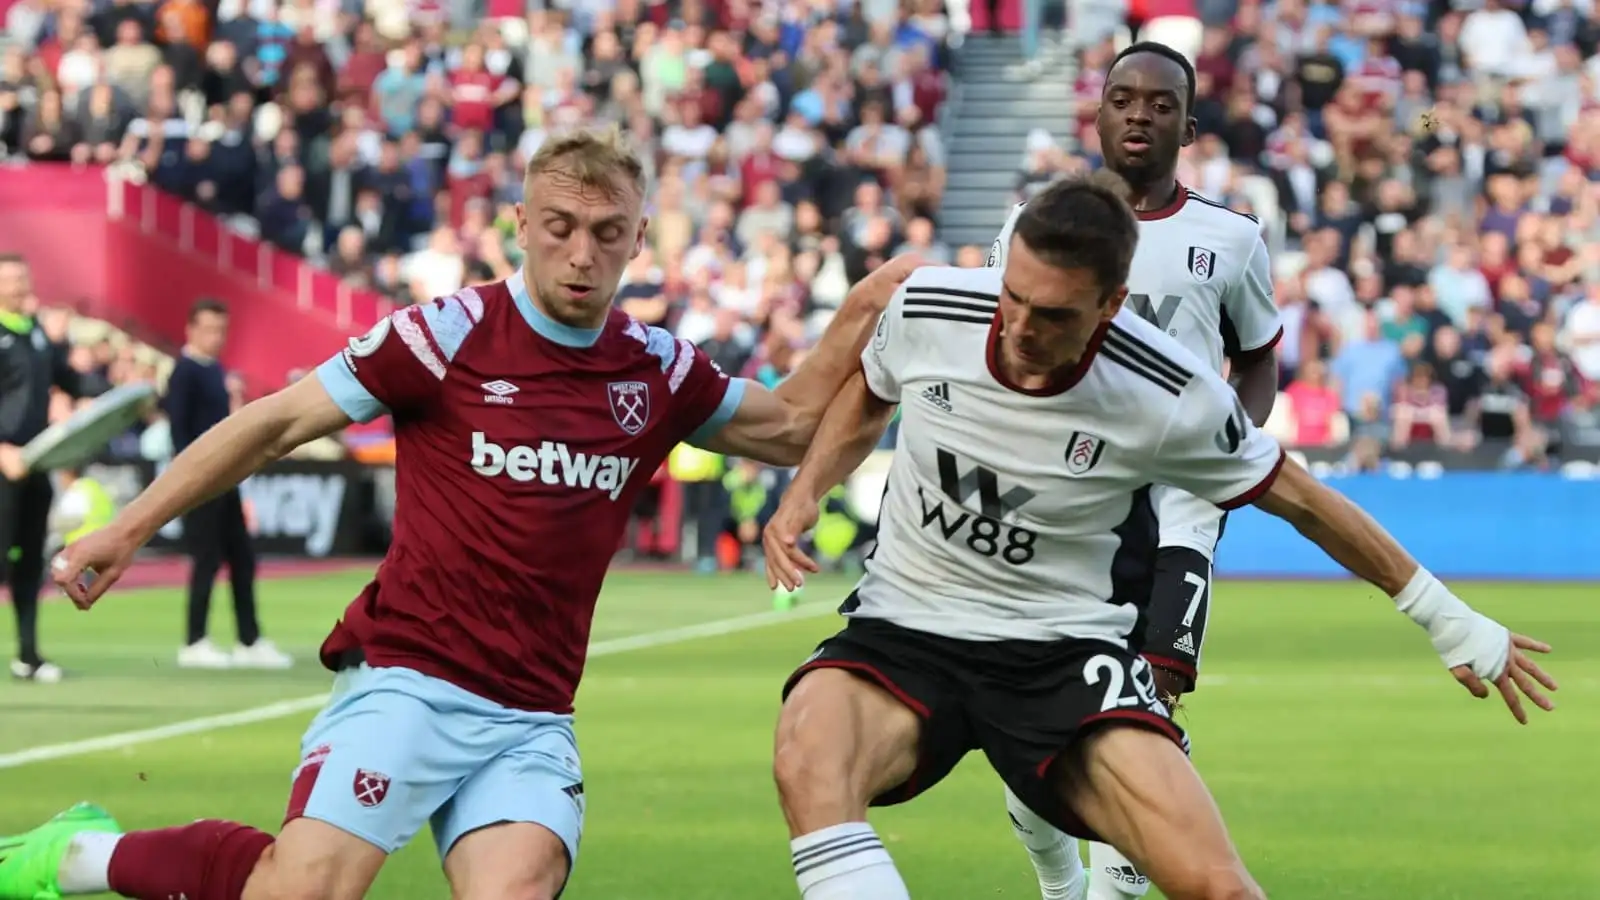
939, 395
1185, 643
499, 391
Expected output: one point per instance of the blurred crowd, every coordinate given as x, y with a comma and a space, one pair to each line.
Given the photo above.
792, 146
1428, 177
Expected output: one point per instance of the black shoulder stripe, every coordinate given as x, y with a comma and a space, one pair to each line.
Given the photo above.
926, 303
955, 316
916, 292
1133, 346
1156, 378
1209, 202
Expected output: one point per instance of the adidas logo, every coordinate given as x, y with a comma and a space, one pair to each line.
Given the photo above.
1185, 643
1126, 875
939, 395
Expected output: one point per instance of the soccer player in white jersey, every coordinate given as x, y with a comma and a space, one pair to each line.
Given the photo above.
994, 615
1201, 274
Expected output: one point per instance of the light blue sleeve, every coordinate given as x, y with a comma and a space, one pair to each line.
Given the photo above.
348, 393
722, 415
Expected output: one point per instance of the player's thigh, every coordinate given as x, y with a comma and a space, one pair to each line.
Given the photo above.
312, 860
870, 719
1134, 786
512, 829
389, 749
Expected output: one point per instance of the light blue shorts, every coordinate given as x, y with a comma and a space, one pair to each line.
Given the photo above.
394, 749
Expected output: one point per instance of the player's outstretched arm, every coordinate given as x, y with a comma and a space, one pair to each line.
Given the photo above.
1475, 647
852, 426
777, 426
237, 447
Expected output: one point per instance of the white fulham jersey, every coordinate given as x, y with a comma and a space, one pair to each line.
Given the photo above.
1201, 273
1019, 514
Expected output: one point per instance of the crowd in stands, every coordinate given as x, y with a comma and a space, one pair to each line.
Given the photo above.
1426, 174
1428, 177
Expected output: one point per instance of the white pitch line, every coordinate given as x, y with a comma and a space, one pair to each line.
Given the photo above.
285, 708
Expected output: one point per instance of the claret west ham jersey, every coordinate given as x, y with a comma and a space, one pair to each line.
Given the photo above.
1017, 514
521, 444
1201, 274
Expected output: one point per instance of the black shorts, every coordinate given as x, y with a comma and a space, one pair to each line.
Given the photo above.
1023, 703
1180, 604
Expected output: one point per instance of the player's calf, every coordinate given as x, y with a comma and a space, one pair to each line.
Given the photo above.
1137, 789
841, 742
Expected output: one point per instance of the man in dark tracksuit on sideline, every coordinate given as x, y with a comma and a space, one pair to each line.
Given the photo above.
198, 397
30, 364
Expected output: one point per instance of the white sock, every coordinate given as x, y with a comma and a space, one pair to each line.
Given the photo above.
845, 862
86, 866
1114, 877
1054, 854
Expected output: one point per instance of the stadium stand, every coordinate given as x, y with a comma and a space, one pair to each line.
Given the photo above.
1428, 177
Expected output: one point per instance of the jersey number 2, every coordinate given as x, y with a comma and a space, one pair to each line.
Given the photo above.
1116, 674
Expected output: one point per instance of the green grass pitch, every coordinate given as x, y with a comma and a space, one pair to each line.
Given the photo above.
1347, 762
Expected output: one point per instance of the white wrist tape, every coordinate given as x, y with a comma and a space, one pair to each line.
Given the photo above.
1461, 635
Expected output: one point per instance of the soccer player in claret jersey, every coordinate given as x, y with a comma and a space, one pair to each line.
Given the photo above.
995, 614
1201, 274
520, 408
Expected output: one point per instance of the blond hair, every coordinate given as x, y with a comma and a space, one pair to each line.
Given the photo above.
596, 157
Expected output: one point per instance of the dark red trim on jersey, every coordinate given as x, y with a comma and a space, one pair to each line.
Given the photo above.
300, 789
1171, 209
1177, 666
1059, 385
1139, 717
1246, 357
464, 307
427, 330
1261, 488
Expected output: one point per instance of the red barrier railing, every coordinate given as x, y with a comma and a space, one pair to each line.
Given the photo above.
200, 235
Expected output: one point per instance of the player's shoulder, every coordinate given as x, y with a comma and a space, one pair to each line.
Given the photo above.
1219, 218
1148, 359
951, 294
997, 249
444, 324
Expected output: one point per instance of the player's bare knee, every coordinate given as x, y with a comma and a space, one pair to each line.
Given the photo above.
507, 861
312, 860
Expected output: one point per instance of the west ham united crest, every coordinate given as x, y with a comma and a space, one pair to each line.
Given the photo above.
630, 404
1201, 263
370, 787
1084, 451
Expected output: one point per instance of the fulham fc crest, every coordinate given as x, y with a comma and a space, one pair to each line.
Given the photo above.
1201, 263
630, 404
1083, 452
370, 787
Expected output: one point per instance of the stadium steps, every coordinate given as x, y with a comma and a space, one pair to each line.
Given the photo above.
988, 131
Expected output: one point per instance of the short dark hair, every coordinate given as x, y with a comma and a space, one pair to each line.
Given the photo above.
1163, 50
206, 305
1083, 222
7, 258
